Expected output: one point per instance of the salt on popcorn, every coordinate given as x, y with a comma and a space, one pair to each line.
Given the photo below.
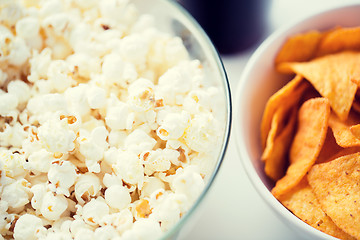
103, 119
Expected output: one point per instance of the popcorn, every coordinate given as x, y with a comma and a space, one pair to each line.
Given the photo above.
38, 191
58, 75
168, 210
16, 194
39, 161
118, 116
117, 197
39, 63
122, 220
93, 147
28, 227
143, 229
201, 134
53, 206
56, 136
88, 185
8, 104
188, 182
94, 211
173, 126
44, 106
76, 98
141, 95
12, 136
139, 141
129, 167
84, 65
108, 130
86, 4
117, 71
20, 89
77, 225
60, 47
158, 160
18, 52
51, 7
28, 28
57, 23
62, 176
106, 233
11, 164
134, 49
10, 13
117, 138
119, 10
151, 185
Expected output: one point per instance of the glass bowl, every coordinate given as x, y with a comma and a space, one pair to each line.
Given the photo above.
172, 18
258, 82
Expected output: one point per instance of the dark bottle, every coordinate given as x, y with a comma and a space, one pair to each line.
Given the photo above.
232, 25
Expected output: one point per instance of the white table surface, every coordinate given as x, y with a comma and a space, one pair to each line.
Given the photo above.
232, 207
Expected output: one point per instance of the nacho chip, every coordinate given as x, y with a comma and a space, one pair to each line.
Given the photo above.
342, 132
276, 158
355, 130
302, 202
286, 97
339, 40
276, 126
331, 76
336, 186
300, 47
310, 136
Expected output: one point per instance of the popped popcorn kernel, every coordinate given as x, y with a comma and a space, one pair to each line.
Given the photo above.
28, 227
143, 209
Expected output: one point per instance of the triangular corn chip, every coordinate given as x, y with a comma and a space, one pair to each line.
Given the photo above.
287, 96
339, 40
310, 136
277, 123
336, 186
355, 130
331, 76
341, 131
276, 157
303, 203
300, 47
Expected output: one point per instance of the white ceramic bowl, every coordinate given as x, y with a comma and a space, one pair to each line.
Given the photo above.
258, 82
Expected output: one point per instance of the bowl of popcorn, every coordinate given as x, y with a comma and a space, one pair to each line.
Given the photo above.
114, 119
298, 123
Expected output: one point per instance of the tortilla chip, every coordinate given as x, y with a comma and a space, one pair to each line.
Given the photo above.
329, 149
310, 136
339, 40
342, 132
336, 186
276, 126
286, 97
355, 130
276, 158
300, 47
331, 76
302, 202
